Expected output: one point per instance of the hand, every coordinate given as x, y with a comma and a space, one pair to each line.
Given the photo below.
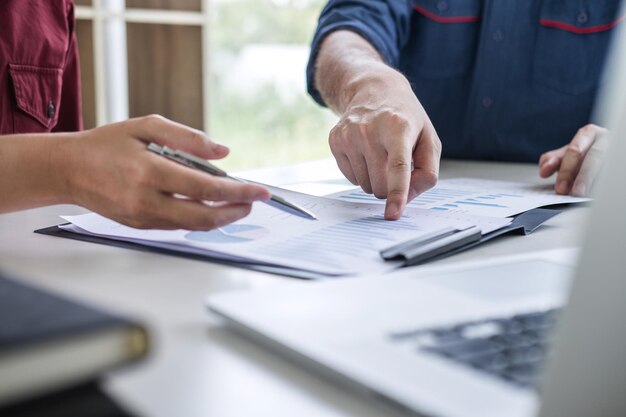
385, 142
110, 171
578, 163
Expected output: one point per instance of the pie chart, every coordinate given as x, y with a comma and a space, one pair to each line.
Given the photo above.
233, 233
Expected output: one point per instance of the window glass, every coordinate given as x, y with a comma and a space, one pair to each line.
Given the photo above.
259, 106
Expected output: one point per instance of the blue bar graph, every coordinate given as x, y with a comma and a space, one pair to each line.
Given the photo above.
472, 203
445, 199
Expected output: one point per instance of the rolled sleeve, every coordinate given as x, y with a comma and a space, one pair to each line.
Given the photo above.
384, 24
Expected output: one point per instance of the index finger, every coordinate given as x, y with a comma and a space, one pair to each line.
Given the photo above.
398, 179
590, 168
575, 153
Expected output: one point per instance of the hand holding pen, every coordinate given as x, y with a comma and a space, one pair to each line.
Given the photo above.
108, 170
203, 165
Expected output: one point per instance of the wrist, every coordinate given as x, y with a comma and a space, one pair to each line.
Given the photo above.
367, 79
378, 81
62, 166
348, 64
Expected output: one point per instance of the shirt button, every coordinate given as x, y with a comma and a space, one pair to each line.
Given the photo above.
487, 102
442, 5
498, 36
583, 17
51, 110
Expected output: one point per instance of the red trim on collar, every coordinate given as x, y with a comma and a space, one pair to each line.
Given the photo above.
442, 19
581, 31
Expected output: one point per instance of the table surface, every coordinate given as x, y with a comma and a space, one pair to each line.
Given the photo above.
197, 366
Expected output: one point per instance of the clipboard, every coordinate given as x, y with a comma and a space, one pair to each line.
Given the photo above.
523, 224
56, 231
426, 247
442, 246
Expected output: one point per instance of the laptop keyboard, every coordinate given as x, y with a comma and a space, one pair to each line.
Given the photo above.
511, 348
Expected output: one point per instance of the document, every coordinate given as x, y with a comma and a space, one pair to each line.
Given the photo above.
476, 197
346, 240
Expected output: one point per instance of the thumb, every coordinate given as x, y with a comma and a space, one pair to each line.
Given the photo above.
426, 159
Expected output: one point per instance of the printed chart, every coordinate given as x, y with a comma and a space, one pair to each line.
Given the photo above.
234, 233
475, 197
443, 199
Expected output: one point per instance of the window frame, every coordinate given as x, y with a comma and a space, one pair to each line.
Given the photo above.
109, 19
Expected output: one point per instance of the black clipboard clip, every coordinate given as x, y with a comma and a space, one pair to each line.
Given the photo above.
431, 245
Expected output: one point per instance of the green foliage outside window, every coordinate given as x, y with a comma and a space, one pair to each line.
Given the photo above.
264, 126
237, 23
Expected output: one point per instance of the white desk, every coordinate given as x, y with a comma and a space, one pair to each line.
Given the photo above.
198, 368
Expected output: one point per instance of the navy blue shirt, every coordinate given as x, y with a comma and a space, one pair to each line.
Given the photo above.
499, 79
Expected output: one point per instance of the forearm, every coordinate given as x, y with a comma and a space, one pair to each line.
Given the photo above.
345, 64
33, 170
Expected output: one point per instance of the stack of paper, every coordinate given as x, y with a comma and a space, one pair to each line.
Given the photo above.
350, 233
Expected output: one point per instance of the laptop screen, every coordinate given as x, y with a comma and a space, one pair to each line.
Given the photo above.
587, 375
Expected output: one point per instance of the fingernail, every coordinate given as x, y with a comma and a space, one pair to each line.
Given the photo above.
219, 147
547, 167
562, 187
548, 163
262, 196
392, 209
580, 190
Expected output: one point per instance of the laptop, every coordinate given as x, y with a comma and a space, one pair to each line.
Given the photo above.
530, 335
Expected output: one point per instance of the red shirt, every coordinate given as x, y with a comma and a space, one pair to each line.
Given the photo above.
39, 68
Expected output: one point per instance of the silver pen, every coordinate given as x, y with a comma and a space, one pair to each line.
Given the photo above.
200, 164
